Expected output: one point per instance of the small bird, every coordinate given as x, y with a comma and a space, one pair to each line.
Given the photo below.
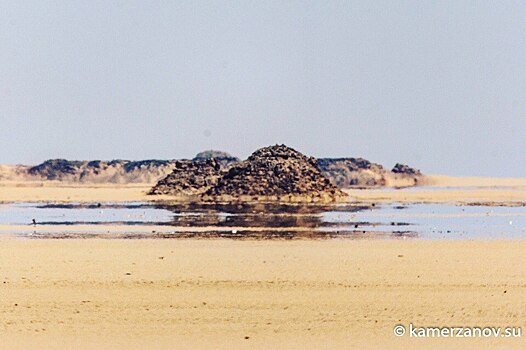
34, 222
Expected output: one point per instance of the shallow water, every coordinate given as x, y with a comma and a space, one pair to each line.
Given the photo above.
442, 221
425, 221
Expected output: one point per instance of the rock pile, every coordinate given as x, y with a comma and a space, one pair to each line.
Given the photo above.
275, 172
189, 178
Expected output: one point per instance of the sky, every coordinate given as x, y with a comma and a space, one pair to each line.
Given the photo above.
440, 85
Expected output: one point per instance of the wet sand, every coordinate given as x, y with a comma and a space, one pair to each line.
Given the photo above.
132, 294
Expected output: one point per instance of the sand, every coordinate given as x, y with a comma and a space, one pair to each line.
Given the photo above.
336, 294
228, 294
483, 196
444, 189
447, 181
449, 189
54, 191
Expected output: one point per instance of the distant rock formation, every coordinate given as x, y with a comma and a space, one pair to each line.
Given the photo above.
222, 157
97, 171
352, 172
55, 169
359, 172
342, 172
405, 169
271, 173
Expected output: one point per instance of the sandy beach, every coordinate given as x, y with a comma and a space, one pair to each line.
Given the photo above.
132, 294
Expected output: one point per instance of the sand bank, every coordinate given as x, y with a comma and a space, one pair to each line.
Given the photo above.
54, 191
131, 294
483, 196
471, 190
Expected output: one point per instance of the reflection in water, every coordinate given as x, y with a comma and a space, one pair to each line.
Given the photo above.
181, 215
265, 221
238, 235
236, 221
253, 215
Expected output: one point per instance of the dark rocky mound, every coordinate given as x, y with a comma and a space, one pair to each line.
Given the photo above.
405, 169
276, 171
189, 178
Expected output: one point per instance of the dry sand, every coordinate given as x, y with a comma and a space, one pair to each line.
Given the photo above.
445, 181
486, 196
465, 189
135, 294
451, 189
54, 191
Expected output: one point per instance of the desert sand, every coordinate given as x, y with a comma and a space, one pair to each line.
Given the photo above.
449, 189
55, 191
222, 293
484, 196
132, 294
442, 189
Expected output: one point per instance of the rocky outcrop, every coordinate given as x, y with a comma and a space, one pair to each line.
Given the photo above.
275, 172
224, 158
189, 177
271, 173
342, 172
405, 169
115, 171
360, 173
97, 171
196, 176
352, 172
55, 169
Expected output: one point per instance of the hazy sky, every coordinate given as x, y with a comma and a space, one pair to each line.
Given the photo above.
440, 85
